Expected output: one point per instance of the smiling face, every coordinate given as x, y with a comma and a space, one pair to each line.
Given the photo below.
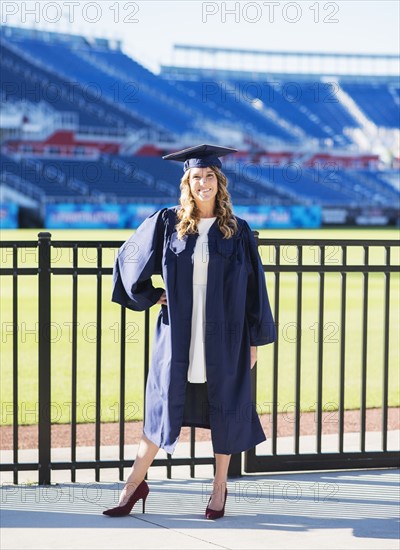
203, 185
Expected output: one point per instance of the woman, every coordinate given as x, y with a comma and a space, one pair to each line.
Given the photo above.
214, 313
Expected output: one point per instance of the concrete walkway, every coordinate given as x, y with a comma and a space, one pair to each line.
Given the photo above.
330, 510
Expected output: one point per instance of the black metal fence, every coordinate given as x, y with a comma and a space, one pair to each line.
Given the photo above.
298, 272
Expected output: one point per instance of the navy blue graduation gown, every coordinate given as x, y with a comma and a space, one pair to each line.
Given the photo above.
238, 315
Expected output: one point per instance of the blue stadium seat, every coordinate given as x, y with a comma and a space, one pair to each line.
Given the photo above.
378, 101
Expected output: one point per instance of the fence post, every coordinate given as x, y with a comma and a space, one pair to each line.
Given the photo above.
235, 465
44, 359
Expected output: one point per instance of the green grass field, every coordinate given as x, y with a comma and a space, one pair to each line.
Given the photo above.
110, 346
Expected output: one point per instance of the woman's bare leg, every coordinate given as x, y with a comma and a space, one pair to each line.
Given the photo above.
146, 453
220, 480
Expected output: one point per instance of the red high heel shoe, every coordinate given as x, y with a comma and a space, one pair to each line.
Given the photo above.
215, 514
141, 491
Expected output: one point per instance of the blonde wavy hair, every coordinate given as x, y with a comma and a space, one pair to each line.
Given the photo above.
189, 215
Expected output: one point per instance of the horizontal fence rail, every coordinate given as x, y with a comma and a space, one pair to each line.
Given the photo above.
288, 264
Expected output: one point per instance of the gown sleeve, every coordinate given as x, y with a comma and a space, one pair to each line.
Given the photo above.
258, 310
137, 260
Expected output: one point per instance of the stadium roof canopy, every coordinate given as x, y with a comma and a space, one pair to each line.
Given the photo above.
217, 49
239, 61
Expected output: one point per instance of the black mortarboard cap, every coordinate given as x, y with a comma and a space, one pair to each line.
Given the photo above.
200, 156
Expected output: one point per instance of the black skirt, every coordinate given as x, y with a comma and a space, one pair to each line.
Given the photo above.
197, 409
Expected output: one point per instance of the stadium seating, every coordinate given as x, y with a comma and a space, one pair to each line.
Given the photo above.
311, 106
307, 183
136, 76
318, 101
106, 90
242, 188
24, 80
228, 100
48, 178
112, 178
150, 178
134, 97
379, 102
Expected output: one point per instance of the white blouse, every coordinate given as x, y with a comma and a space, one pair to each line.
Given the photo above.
197, 359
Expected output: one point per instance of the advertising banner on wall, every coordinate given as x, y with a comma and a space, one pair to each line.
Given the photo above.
280, 217
130, 216
8, 216
97, 216
334, 216
361, 217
